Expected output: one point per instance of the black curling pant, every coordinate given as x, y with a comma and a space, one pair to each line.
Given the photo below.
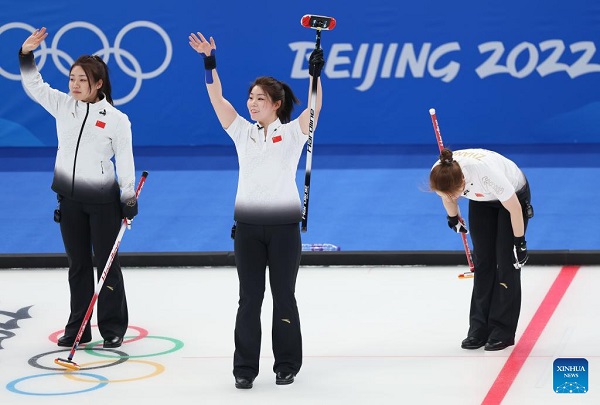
91, 230
279, 247
496, 297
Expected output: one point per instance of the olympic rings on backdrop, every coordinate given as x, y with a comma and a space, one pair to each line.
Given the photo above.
142, 334
42, 51
115, 357
178, 344
104, 52
12, 386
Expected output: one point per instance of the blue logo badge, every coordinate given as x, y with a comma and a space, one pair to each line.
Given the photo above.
570, 376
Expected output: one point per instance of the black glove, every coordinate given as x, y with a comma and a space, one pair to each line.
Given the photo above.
129, 208
521, 254
456, 225
316, 62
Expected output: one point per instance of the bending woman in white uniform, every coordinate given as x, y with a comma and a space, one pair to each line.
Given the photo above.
499, 210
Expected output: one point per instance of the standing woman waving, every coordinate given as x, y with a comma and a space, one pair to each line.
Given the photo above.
499, 210
92, 200
267, 212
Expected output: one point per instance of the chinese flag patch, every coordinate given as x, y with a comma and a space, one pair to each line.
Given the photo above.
100, 124
276, 139
478, 195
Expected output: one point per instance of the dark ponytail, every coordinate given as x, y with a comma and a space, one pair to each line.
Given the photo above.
278, 91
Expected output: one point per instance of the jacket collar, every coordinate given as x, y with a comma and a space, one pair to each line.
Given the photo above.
95, 107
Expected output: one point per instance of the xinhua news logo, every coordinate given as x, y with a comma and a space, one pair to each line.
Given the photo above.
570, 376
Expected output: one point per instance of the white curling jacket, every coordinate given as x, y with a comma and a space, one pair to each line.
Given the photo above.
89, 136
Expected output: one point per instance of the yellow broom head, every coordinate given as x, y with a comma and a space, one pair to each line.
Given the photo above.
71, 365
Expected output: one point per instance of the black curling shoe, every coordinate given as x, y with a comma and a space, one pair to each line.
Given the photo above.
243, 383
112, 342
284, 378
494, 344
67, 341
472, 343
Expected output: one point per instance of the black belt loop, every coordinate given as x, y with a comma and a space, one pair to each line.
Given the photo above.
233, 228
57, 214
524, 196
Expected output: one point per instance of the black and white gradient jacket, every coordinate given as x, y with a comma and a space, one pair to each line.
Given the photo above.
89, 136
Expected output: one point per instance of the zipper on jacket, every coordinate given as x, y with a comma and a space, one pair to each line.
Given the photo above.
77, 149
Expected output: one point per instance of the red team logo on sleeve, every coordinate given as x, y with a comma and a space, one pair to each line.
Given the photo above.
100, 124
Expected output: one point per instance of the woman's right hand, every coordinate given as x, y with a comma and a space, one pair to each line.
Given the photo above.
34, 40
201, 45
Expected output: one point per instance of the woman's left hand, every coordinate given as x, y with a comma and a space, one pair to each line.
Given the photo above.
34, 40
201, 45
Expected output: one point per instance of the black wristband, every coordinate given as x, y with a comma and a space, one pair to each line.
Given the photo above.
210, 62
520, 241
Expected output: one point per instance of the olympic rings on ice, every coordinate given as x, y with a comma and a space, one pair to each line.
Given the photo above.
142, 333
34, 361
29, 386
12, 386
178, 344
158, 368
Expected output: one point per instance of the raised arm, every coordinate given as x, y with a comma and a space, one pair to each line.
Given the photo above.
315, 64
223, 108
304, 118
32, 80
